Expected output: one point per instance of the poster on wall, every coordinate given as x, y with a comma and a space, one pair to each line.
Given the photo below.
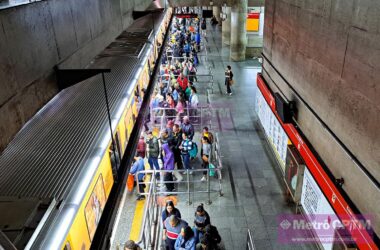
272, 128
94, 207
318, 210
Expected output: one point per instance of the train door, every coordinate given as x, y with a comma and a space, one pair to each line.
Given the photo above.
115, 154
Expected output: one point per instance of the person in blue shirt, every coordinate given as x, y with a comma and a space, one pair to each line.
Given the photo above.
187, 49
198, 40
185, 240
137, 166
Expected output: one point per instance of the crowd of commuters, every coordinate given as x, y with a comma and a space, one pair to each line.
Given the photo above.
178, 235
176, 95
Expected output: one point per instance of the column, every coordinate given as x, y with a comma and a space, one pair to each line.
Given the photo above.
216, 12
226, 27
238, 31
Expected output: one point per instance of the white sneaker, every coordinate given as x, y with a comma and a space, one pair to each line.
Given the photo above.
203, 178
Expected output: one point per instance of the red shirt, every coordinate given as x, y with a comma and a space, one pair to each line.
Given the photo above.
141, 147
183, 83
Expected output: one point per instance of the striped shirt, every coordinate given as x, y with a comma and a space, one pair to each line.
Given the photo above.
187, 145
173, 232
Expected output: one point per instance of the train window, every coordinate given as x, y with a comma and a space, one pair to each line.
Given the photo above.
118, 143
67, 246
115, 158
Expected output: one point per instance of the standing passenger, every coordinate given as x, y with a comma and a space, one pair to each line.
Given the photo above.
228, 79
206, 152
169, 210
153, 151
141, 147
185, 240
202, 219
185, 147
173, 227
138, 166
168, 165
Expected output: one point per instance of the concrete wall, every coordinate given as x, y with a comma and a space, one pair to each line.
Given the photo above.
329, 52
37, 36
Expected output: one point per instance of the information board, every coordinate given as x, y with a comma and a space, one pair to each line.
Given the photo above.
317, 209
272, 127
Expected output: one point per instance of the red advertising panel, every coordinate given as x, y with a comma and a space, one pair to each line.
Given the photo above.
334, 197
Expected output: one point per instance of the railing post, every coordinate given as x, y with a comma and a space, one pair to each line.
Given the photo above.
188, 187
208, 186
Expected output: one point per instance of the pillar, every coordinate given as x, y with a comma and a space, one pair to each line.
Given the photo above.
216, 12
226, 27
238, 31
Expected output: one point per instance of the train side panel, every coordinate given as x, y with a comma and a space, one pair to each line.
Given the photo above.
88, 216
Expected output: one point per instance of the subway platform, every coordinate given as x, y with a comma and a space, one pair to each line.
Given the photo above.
252, 192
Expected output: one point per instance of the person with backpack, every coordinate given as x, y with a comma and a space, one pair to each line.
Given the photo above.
186, 147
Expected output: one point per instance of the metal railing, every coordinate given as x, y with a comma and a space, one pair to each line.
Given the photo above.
250, 241
198, 79
150, 227
186, 182
199, 117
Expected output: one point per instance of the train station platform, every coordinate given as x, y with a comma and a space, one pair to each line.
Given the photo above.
253, 192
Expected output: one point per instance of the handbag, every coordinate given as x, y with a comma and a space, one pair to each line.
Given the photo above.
205, 158
130, 182
212, 170
231, 82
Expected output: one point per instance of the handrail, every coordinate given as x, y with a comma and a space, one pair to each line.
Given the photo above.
150, 219
250, 241
186, 181
196, 114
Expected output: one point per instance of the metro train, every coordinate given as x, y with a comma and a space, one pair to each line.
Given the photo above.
57, 173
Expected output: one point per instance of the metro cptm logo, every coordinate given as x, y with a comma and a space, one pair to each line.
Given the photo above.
285, 224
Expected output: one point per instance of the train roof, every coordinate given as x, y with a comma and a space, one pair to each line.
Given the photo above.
48, 153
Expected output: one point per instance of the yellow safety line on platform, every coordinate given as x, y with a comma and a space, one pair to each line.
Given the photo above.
137, 221
139, 212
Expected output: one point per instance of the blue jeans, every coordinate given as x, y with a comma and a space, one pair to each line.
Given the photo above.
197, 235
186, 161
153, 162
